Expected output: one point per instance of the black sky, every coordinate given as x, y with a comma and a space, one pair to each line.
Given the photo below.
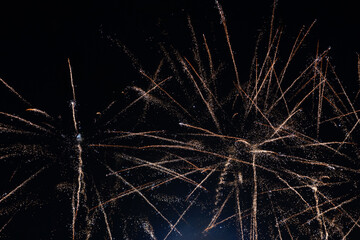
38, 37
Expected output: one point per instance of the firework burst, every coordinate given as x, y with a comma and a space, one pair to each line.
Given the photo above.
79, 183
276, 152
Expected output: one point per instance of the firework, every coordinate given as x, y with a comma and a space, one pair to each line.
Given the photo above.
276, 152
80, 183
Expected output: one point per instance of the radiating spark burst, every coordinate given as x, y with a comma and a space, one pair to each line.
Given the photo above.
280, 148
101, 171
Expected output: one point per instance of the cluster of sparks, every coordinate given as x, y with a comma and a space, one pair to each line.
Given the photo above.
265, 150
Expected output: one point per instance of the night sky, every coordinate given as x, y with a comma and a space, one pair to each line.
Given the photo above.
38, 38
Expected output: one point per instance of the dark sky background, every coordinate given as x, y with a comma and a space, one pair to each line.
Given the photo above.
36, 38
